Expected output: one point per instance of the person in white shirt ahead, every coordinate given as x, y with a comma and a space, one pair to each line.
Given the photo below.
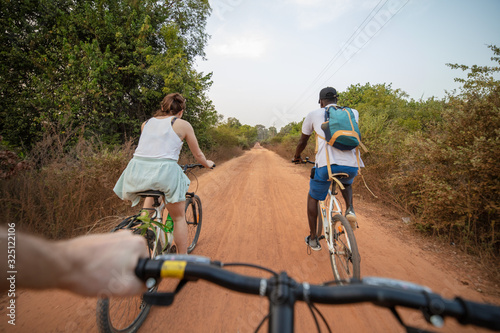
154, 165
340, 161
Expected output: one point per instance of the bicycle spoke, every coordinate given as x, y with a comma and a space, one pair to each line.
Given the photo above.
343, 253
128, 309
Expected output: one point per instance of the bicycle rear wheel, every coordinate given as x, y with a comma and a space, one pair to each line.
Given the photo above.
344, 255
193, 219
125, 314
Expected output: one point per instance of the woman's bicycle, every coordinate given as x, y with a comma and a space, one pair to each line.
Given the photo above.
338, 234
126, 314
283, 292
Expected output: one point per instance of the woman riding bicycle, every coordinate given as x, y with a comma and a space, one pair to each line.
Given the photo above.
154, 165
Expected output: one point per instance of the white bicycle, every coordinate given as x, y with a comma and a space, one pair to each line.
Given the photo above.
338, 234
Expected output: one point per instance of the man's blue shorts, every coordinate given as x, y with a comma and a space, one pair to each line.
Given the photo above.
319, 185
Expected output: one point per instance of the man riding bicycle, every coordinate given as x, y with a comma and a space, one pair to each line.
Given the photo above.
344, 161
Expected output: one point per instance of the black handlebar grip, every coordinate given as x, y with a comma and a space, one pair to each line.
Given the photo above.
484, 315
140, 269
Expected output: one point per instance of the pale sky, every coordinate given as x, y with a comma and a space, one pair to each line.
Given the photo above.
270, 58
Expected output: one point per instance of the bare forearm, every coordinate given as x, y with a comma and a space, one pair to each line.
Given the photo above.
39, 264
88, 265
200, 157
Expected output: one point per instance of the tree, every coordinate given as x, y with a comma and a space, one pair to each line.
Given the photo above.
233, 122
103, 65
480, 79
262, 132
291, 128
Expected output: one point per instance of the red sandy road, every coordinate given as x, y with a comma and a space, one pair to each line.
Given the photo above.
254, 211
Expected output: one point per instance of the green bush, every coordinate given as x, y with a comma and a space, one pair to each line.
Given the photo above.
453, 173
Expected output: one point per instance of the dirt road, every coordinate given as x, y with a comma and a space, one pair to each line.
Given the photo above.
254, 211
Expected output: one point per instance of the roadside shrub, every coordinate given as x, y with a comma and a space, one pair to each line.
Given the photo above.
67, 191
453, 174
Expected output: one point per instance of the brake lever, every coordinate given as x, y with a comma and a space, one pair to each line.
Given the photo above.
408, 329
163, 299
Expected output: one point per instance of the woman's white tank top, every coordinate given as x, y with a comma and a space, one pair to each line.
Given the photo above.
159, 140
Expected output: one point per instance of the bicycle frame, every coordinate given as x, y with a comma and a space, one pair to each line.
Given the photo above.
328, 210
166, 238
341, 242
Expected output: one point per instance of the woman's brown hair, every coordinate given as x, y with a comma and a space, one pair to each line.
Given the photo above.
172, 104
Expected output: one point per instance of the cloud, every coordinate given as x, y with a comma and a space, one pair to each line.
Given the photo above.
244, 46
312, 13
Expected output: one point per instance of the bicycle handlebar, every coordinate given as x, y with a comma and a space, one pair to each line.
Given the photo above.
379, 291
191, 166
185, 167
302, 161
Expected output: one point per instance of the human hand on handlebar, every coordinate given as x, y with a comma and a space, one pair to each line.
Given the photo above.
103, 264
299, 160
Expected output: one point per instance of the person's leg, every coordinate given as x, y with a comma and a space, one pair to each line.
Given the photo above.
176, 211
318, 189
349, 213
148, 205
347, 192
312, 216
347, 195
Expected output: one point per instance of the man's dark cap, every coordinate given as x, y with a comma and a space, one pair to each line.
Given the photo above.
327, 93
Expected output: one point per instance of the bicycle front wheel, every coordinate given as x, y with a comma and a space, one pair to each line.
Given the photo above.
193, 220
344, 255
125, 314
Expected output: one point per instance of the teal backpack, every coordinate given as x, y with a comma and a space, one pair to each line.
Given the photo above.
341, 129
342, 132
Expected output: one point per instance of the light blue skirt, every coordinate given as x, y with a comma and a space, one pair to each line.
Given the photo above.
142, 174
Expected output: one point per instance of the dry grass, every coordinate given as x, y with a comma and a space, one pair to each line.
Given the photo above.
64, 192
69, 191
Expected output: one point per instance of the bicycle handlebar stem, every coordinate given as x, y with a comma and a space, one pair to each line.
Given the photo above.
281, 303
